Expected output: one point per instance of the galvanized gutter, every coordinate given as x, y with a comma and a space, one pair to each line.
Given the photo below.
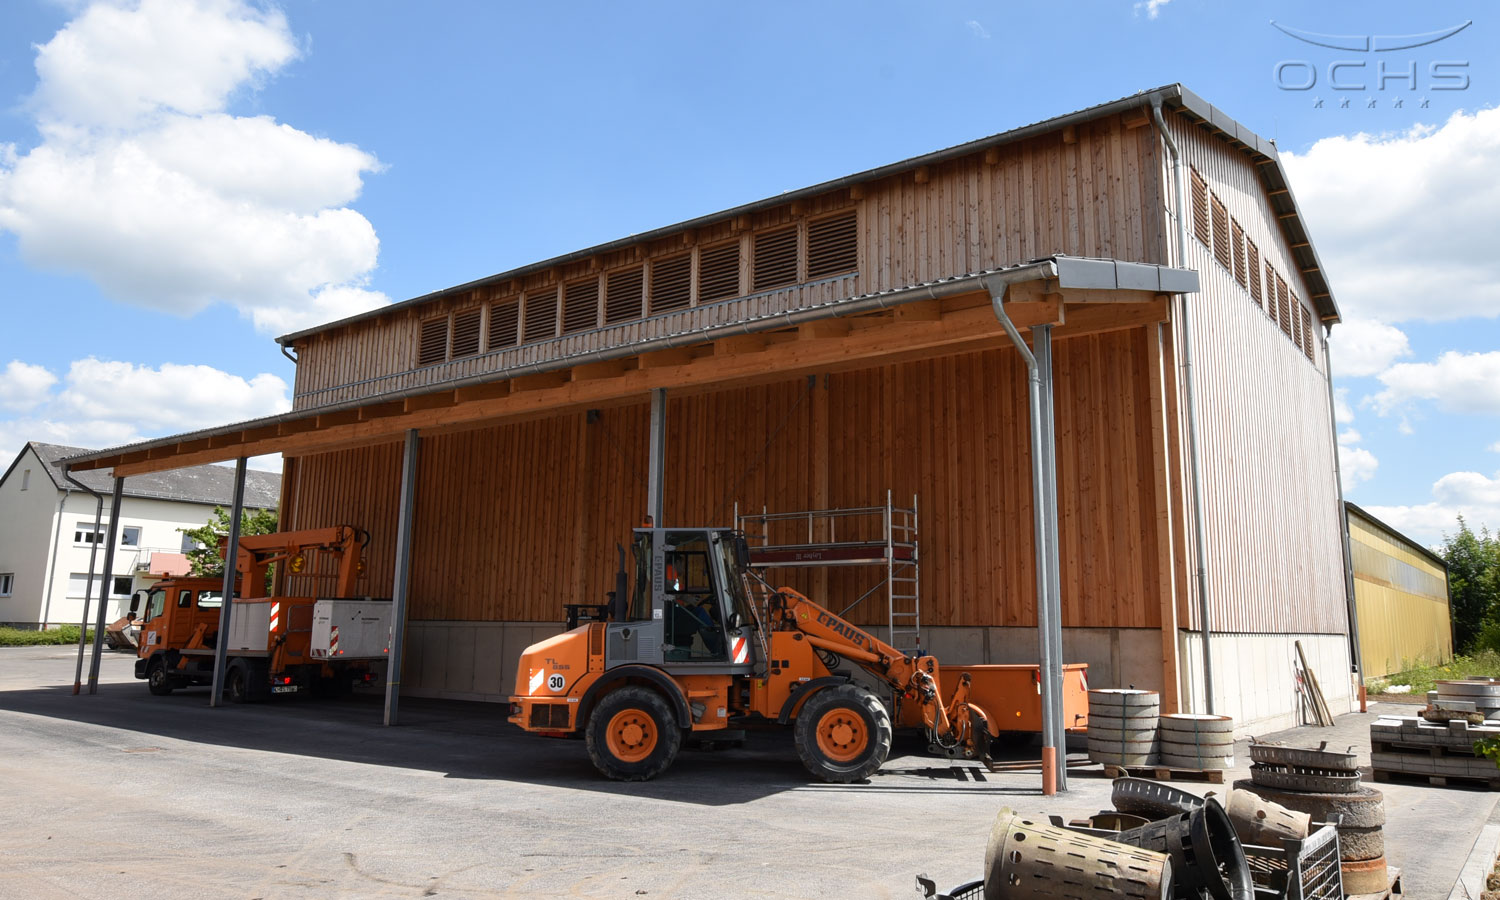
1195, 440
1070, 272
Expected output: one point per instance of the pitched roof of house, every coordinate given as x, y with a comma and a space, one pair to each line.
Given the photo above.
194, 484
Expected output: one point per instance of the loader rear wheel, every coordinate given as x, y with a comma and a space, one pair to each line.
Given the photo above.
158, 679
632, 734
843, 734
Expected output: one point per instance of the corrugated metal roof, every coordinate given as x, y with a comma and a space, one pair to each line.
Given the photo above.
1173, 95
1416, 547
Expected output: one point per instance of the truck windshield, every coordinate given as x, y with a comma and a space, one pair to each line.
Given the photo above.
734, 581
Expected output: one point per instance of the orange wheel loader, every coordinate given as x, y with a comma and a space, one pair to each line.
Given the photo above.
682, 649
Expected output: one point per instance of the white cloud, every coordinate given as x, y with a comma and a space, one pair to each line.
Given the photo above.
1363, 347
1343, 413
24, 386
1356, 464
1469, 494
1404, 222
147, 186
1495, 447
977, 29
1152, 7
100, 403
1456, 382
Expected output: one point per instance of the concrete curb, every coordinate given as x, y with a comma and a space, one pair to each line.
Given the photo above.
1481, 859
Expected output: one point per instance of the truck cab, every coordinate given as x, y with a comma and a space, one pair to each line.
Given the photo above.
174, 615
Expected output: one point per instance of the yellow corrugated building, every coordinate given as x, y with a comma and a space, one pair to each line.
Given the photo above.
1401, 593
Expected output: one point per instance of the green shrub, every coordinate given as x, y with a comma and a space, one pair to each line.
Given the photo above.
1480, 664
23, 637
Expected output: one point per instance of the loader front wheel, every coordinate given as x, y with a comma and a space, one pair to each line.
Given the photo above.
843, 734
632, 734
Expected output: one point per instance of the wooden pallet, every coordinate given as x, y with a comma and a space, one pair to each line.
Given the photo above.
1165, 773
1392, 776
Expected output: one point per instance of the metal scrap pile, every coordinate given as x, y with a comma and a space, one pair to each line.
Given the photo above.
1161, 842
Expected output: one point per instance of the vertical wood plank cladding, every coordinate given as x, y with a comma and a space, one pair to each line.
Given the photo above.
1275, 561
499, 535
1096, 196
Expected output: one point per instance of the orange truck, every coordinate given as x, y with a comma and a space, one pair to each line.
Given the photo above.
276, 644
689, 645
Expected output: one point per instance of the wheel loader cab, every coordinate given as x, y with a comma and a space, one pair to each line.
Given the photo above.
689, 606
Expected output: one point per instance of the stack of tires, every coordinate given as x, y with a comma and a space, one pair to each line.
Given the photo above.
1190, 741
1122, 726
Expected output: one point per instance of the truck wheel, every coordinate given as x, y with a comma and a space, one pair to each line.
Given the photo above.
236, 684
632, 734
843, 734
158, 680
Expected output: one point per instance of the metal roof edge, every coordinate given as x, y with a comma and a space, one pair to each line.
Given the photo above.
1165, 93
1365, 514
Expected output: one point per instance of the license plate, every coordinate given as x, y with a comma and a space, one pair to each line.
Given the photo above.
283, 689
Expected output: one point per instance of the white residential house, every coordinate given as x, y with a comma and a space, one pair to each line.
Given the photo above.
47, 531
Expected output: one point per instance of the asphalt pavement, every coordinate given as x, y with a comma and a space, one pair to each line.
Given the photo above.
122, 794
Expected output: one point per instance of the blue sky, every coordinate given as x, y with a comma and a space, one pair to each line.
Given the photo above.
322, 156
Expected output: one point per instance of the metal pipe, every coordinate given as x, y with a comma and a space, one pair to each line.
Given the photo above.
1046, 624
62, 506
1200, 527
402, 580
657, 458
231, 572
1356, 656
88, 581
1041, 339
105, 590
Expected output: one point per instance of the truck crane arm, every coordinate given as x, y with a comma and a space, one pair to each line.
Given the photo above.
956, 725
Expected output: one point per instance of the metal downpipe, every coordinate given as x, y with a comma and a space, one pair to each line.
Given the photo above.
1356, 656
1053, 775
88, 584
1200, 527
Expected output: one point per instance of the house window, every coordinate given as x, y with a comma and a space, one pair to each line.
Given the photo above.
188, 544
78, 585
7, 581
130, 536
120, 587
25, 479
86, 534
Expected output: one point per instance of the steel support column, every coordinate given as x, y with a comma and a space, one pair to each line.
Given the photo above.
403, 574
1041, 341
231, 572
112, 535
88, 583
656, 473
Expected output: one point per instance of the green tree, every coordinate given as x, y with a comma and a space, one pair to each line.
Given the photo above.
1473, 581
205, 560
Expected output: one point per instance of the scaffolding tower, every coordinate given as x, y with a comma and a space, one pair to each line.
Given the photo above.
870, 536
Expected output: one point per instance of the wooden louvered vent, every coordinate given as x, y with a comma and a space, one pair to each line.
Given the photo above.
1270, 289
541, 315
671, 283
581, 306
719, 273
1237, 239
466, 327
1252, 260
832, 245
433, 347
775, 259
1283, 303
1221, 234
1200, 209
505, 324
622, 295
1308, 335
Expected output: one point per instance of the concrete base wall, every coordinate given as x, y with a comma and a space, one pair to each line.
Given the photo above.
1253, 681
